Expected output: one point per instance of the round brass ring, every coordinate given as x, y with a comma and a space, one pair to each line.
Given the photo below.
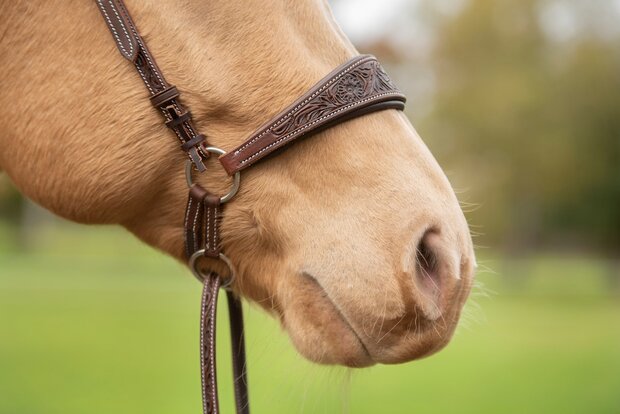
189, 166
200, 275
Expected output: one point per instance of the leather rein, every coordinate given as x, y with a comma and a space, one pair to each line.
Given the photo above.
355, 88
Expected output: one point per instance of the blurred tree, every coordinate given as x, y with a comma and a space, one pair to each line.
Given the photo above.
11, 208
536, 124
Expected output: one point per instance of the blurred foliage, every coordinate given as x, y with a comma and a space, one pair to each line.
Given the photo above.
12, 208
531, 126
10, 201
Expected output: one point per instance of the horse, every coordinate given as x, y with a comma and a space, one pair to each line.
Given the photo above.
354, 238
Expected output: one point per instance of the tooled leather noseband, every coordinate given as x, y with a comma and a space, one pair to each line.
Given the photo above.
355, 88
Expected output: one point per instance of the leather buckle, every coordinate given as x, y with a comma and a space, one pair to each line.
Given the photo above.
177, 123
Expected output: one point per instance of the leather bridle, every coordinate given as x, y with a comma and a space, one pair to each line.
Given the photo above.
355, 88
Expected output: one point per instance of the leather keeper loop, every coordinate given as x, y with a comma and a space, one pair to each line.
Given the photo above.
198, 139
175, 122
162, 98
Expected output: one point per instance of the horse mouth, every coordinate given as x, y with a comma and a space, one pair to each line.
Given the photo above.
340, 316
324, 333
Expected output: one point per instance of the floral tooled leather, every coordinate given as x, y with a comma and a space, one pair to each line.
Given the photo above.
355, 88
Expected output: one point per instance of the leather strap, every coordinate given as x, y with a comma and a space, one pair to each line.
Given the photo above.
212, 226
353, 89
202, 222
202, 232
208, 372
163, 95
194, 220
237, 337
203, 209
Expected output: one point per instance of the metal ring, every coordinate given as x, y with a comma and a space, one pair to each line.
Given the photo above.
189, 165
193, 265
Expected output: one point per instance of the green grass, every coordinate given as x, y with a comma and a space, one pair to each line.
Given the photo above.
93, 322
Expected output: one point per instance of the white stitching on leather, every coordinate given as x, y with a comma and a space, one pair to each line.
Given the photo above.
155, 71
332, 80
312, 123
146, 82
146, 54
212, 341
141, 72
186, 124
208, 241
196, 247
113, 29
215, 228
203, 315
189, 206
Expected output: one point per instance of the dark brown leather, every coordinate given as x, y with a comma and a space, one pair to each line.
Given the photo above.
202, 222
118, 24
212, 224
202, 231
237, 337
355, 88
208, 372
194, 220
208, 342
163, 95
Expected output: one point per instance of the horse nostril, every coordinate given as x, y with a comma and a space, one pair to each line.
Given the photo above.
428, 280
427, 263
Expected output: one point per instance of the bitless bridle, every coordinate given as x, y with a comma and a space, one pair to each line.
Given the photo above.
355, 88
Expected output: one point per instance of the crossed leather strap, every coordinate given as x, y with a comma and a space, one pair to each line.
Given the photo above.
355, 88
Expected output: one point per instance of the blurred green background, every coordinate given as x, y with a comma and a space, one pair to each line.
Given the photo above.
519, 100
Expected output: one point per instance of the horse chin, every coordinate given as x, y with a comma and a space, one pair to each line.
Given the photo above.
323, 333
318, 330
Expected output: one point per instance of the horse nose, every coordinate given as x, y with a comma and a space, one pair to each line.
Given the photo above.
439, 267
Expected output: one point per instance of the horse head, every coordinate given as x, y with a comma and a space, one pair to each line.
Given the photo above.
352, 238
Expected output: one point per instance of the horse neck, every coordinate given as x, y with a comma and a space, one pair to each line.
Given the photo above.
100, 152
